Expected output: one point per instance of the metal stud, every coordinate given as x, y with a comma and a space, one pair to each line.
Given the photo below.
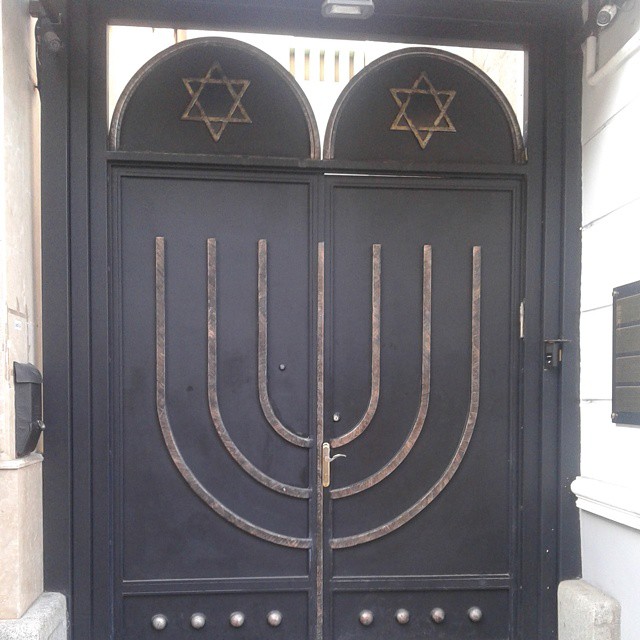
282, 367
198, 620
402, 616
438, 615
159, 622
336, 417
236, 619
365, 617
475, 614
274, 618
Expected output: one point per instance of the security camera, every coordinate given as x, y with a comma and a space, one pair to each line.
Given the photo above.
606, 15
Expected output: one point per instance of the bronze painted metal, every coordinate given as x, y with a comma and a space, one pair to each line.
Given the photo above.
214, 407
196, 112
405, 122
418, 423
365, 421
263, 388
320, 285
167, 432
465, 439
324, 457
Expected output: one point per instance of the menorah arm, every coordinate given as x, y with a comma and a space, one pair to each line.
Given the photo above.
372, 407
263, 389
425, 392
467, 433
212, 374
167, 432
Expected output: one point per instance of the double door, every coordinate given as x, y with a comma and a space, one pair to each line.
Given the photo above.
316, 405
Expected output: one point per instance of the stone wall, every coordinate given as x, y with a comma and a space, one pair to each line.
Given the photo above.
20, 480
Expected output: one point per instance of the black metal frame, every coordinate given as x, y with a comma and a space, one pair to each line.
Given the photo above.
75, 236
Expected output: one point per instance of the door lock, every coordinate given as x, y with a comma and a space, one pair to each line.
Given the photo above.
327, 459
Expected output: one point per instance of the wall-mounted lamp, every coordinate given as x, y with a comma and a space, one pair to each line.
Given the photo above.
347, 8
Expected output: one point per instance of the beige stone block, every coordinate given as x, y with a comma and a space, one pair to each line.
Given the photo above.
20, 534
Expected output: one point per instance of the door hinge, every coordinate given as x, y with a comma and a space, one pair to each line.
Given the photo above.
553, 352
522, 319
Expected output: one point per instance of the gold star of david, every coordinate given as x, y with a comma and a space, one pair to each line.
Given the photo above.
442, 122
216, 124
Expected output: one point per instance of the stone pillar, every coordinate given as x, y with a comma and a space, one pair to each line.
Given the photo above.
20, 534
20, 478
586, 613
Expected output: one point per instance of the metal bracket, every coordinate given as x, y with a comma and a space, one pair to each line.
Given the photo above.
553, 352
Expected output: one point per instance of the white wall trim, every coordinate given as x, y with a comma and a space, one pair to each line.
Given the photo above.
614, 502
595, 75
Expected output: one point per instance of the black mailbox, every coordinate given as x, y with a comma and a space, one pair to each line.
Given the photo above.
28, 394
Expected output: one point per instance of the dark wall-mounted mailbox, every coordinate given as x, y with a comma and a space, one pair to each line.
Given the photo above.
626, 354
28, 393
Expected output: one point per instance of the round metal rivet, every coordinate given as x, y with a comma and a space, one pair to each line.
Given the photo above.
236, 619
402, 616
365, 617
274, 618
475, 614
282, 367
159, 622
437, 615
336, 417
198, 620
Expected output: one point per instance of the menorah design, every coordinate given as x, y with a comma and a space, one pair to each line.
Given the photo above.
287, 433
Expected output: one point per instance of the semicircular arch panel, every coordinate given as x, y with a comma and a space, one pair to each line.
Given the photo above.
421, 105
215, 96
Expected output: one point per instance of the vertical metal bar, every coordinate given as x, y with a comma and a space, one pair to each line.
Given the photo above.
319, 443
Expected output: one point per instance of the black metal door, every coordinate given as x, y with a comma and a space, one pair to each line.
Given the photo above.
422, 398
230, 306
215, 443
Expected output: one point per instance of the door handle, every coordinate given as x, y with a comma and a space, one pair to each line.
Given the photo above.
327, 459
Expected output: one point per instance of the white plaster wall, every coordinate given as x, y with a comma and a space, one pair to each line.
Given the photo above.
610, 472
19, 207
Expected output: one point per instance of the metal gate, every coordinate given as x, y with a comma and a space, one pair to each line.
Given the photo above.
315, 378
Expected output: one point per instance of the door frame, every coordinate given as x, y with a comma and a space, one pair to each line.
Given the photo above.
75, 278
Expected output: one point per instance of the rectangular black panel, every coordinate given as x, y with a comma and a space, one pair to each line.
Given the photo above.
626, 354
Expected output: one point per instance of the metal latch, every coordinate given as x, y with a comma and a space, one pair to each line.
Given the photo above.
553, 352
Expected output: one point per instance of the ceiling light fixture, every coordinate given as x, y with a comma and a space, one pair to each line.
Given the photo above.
347, 9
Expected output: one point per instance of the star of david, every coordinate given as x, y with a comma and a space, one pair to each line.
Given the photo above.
216, 124
403, 121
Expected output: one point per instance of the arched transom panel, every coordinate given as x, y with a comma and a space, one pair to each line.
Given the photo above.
215, 96
423, 105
